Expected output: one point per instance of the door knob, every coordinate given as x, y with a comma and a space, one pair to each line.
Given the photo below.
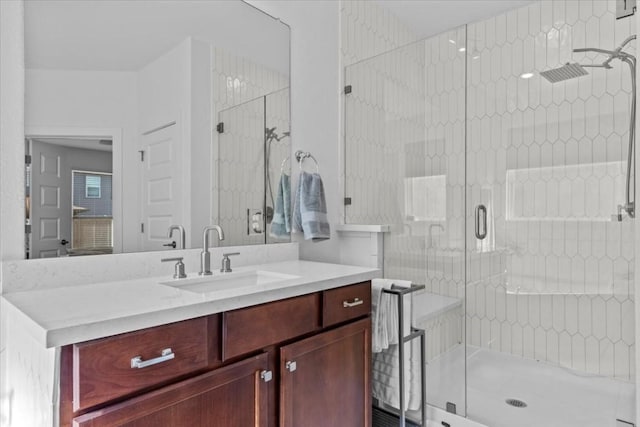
171, 245
64, 242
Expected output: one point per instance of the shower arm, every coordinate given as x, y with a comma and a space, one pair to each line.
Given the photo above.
626, 41
597, 50
603, 65
613, 54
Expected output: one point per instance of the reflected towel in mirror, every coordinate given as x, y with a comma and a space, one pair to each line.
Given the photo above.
310, 208
281, 223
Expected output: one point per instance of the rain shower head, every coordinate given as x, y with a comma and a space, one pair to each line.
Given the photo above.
566, 72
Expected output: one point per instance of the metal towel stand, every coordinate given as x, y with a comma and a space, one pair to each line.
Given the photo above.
415, 333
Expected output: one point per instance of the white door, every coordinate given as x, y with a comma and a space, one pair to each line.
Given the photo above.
163, 199
50, 202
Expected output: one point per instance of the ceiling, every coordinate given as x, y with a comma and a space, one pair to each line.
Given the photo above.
125, 35
84, 143
430, 17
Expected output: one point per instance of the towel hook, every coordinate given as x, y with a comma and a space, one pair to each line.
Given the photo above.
302, 155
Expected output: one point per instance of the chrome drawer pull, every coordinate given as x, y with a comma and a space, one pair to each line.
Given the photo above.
137, 361
356, 301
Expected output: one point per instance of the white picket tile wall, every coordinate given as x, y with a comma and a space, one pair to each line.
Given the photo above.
369, 30
553, 280
554, 156
238, 85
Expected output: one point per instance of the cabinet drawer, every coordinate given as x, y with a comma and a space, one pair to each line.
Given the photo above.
346, 303
103, 371
255, 328
231, 396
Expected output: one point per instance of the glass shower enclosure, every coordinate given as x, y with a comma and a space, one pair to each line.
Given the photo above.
502, 188
253, 152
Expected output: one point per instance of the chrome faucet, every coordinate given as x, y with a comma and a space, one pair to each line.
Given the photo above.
205, 256
182, 234
179, 267
226, 262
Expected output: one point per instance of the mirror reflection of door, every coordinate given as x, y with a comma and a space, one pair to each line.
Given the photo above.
163, 198
50, 208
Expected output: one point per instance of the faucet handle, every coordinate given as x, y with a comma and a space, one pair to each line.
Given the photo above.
226, 262
179, 267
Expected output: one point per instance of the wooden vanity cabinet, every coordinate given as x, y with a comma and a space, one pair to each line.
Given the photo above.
302, 361
323, 378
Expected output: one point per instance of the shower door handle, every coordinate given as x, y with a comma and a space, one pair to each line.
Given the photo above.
481, 222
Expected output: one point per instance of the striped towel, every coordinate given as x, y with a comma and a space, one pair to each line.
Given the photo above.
385, 341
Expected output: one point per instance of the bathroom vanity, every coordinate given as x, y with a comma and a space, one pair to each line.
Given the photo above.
290, 352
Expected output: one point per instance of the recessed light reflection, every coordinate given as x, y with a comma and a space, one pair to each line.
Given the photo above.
452, 41
526, 75
462, 49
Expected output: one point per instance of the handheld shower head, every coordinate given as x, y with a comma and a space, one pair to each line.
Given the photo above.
566, 72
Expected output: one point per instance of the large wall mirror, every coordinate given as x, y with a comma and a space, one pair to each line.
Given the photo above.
143, 115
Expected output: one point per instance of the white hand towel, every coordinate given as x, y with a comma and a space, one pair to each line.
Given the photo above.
392, 311
385, 337
379, 314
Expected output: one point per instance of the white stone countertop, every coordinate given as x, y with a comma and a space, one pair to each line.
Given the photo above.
67, 315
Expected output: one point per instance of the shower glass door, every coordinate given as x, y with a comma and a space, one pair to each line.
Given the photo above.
549, 298
405, 157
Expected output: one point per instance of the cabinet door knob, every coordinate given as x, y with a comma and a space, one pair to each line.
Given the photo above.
291, 366
266, 376
355, 302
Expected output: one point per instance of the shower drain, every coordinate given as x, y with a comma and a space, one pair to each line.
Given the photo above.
516, 402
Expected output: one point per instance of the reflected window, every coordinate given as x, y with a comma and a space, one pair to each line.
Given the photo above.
92, 187
92, 223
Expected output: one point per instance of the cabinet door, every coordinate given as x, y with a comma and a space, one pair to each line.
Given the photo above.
232, 396
325, 379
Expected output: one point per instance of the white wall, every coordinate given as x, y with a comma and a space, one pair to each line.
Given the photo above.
11, 129
11, 159
92, 99
201, 131
315, 100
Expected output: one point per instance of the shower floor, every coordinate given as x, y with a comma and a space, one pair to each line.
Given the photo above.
555, 397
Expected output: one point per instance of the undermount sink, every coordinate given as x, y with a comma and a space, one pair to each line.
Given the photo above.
228, 281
